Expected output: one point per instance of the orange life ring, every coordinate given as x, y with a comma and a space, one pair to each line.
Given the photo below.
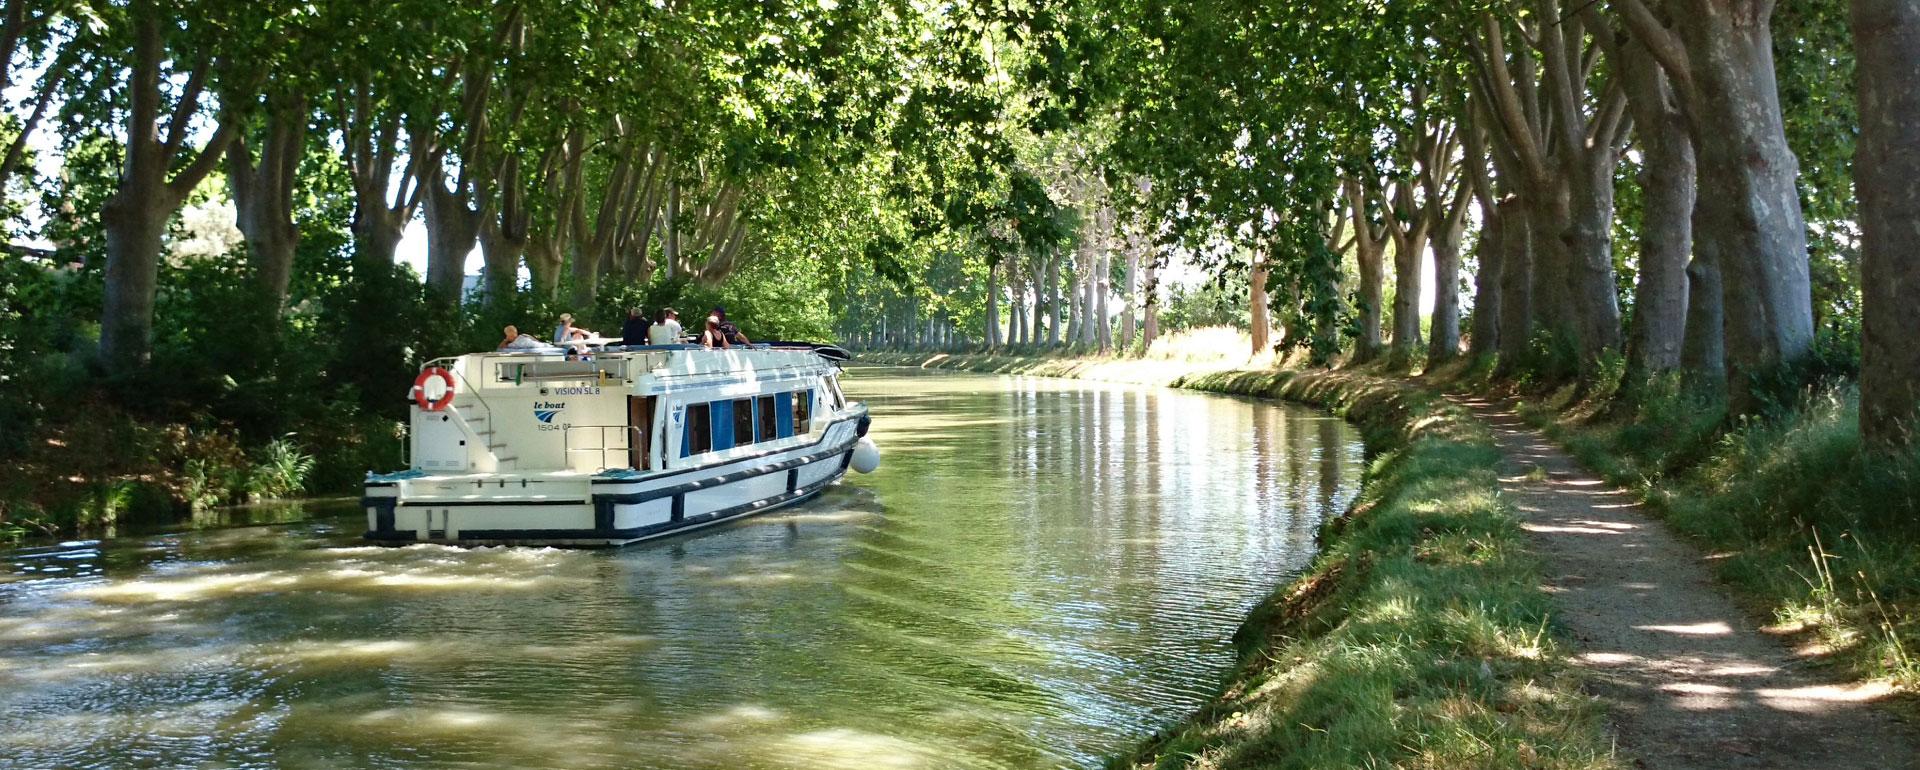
420, 389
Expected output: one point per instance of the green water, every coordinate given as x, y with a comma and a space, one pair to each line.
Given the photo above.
1042, 573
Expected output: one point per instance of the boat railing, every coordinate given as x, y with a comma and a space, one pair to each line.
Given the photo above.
599, 440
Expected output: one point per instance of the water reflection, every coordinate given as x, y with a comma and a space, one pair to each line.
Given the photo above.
1043, 572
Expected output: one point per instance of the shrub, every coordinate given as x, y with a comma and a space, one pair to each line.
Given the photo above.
280, 471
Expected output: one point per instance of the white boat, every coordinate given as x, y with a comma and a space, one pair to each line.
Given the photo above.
621, 445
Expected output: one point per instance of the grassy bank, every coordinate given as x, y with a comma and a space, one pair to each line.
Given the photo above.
1418, 638
1813, 532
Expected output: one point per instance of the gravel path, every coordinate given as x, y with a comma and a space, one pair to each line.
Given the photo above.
1689, 680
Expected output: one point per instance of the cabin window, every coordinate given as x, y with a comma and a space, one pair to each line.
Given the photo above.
803, 412
724, 437
839, 399
699, 435
783, 414
743, 422
765, 426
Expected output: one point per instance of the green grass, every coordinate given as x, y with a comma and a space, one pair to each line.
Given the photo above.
1419, 638
1814, 533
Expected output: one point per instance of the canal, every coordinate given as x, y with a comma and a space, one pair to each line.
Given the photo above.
1042, 573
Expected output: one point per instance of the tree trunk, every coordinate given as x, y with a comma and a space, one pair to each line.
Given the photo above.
1553, 300
1102, 287
1751, 213
1516, 282
1668, 193
993, 305
503, 238
1886, 36
670, 242
1705, 351
1589, 252
135, 220
263, 196
1150, 306
135, 216
1406, 302
1129, 319
1261, 323
1488, 281
1371, 255
1076, 297
1446, 296
1053, 301
453, 229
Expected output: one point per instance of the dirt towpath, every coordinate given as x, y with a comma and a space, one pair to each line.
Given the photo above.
1688, 679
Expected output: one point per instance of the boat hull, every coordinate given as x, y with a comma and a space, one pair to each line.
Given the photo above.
601, 510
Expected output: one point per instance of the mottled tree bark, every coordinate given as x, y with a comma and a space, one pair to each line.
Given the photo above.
1150, 294
135, 216
1516, 282
1260, 325
503, 238
1370, 252
453, 230
1487, 284
263, 195
1719, 54
1445, 345
1704, 355
1886, 36
993, 304
1667, 182
1407, 256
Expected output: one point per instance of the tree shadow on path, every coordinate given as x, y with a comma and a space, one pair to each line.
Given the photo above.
1688, 679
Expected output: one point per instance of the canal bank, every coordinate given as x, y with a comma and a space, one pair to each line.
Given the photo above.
1420, 634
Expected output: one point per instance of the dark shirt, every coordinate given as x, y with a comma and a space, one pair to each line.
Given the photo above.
732, 333
634, 331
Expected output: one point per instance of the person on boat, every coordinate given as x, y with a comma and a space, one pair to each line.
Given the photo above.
567, 332
665, 329
732, 333
517, 341
633, 333
713, 337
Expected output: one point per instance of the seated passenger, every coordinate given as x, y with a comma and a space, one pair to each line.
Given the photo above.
712, 337
633, 333
665, 329
517, 341
567, 332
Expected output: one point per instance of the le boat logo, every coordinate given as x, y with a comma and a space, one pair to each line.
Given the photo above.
545, 411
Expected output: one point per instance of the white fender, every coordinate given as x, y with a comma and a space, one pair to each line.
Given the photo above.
866, 456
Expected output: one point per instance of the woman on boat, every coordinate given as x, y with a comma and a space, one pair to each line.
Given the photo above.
712, 337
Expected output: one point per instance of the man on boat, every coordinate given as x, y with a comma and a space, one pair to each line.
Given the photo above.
567, 332
665, 329
730, 332
517, 341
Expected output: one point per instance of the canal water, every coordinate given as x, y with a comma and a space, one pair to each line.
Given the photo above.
1042, 574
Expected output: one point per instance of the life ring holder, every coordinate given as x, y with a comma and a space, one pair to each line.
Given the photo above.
420, 388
